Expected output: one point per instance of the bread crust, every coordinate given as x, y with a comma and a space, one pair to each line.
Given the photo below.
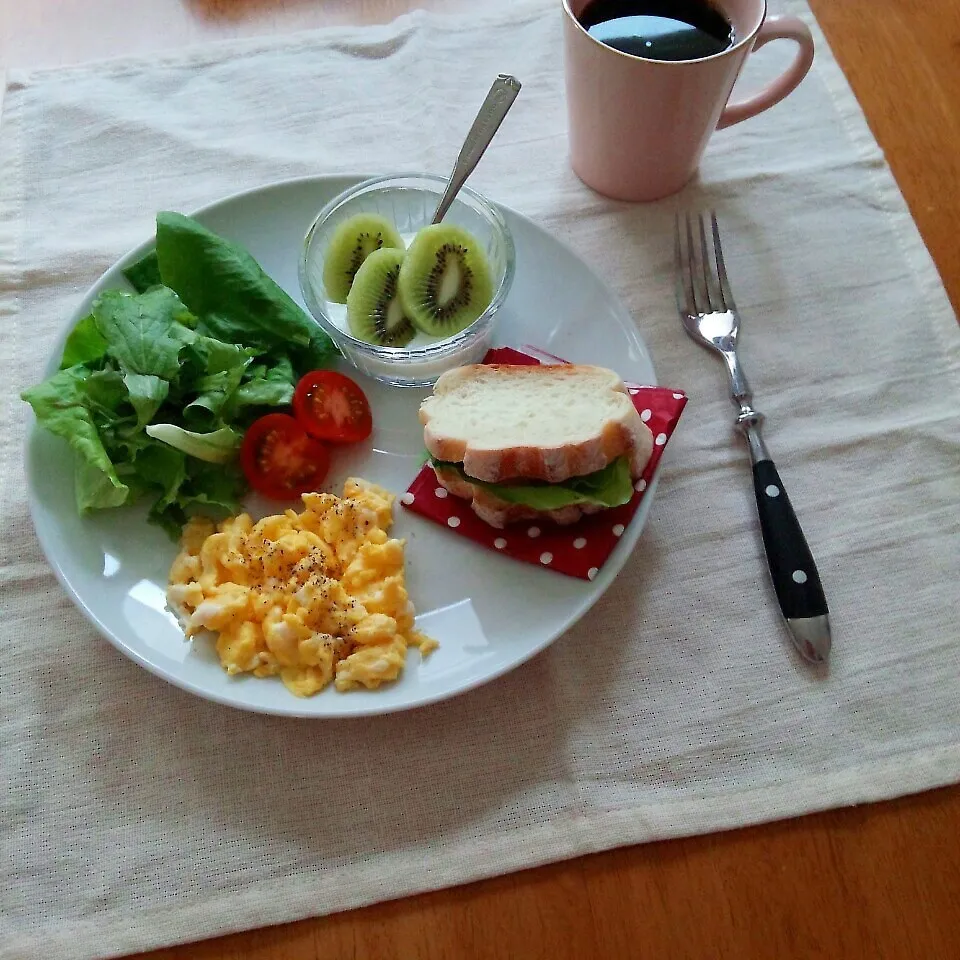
623, 434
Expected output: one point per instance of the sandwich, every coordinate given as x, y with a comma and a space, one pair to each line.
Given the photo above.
547, 442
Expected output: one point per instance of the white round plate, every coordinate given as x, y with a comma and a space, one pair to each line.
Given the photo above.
488, 612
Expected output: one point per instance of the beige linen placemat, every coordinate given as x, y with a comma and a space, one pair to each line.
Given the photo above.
134, 815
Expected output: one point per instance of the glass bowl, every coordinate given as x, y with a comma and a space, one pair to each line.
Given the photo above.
409, 203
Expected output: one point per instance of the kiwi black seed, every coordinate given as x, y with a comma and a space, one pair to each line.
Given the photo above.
445, 281
374, 311
352, 242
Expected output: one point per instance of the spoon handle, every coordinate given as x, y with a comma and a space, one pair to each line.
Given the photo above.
494, 108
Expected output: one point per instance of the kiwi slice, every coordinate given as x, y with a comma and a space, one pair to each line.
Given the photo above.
374, 312
352, 242
445, 280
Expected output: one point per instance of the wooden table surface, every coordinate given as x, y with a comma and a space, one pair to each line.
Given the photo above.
881, 881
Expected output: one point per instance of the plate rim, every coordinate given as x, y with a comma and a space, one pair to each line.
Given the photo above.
601, 584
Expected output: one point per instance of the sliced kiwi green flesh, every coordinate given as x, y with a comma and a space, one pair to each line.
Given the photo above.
374, 311
352, 242
445, 280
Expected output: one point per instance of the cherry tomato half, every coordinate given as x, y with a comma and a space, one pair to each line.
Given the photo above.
332, 407
280, 460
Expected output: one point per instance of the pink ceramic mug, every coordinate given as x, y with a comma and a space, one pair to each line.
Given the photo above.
638, 127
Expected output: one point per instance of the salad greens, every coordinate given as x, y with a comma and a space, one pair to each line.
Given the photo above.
155, 388
609, 487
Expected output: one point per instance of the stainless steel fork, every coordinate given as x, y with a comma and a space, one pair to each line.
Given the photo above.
710, 317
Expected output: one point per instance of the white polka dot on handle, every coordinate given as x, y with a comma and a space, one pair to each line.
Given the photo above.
640, 486
772, 491
678, 396
799, 576
633, 391
592, 573
618, 529
645, 415
407, 498
533, 532
546, 558
579, 543
661, 439
499, 543
440, 492
453, 522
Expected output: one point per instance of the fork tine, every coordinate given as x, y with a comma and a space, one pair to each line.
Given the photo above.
686, 296
706, 267
725, 292
699, 297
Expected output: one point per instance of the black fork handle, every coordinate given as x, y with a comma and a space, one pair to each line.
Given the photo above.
796, 580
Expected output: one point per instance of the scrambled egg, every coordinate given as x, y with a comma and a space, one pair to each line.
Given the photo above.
312, 597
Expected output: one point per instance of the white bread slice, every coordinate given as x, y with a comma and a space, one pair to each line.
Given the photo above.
546, 422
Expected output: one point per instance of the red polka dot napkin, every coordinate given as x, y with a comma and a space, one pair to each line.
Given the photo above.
578, 550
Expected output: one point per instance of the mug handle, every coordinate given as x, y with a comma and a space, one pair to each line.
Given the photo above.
776, 28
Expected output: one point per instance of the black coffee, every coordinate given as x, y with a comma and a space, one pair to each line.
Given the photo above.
659, 29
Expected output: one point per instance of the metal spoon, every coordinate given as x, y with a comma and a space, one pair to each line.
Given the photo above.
494, 108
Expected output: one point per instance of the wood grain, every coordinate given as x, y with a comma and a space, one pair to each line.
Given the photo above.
881, 881
902, 58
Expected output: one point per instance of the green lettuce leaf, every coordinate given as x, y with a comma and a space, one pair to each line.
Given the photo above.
163, 469
217, 446
222, 284
209, 489
146, 394
61, 406
97, 489
155, 388
210, 374
145, 332
84, 344
610, 487
217, 486
216, 390
265, 386
169, 518
104, 393
207, 355
320, 352
123, 440
144, 273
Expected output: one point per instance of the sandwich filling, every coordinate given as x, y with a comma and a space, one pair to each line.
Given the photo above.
610, 487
